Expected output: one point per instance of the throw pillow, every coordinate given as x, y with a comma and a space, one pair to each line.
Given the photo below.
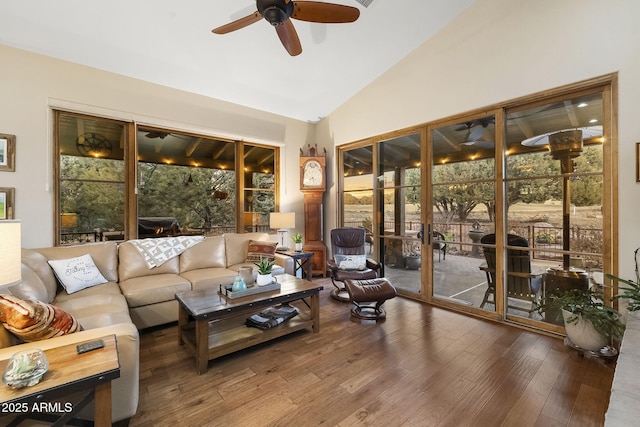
259, 249
351, 262
77, 274
35, 320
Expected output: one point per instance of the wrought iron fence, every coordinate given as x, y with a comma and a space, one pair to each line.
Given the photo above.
583, 239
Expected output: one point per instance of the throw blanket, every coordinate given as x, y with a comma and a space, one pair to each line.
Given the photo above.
158, 251
272, 316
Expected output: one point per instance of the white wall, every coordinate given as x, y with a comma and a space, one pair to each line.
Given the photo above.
499, 50
31, 84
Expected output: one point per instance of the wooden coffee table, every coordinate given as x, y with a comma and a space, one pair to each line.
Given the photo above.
211, 325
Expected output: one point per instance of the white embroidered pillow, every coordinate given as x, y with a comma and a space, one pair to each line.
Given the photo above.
77, 274
351, 262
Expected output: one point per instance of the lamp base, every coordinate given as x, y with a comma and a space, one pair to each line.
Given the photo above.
282, 247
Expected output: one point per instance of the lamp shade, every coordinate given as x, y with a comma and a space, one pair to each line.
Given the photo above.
10, 252
281, 220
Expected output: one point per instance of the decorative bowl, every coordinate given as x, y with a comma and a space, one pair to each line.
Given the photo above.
25, 368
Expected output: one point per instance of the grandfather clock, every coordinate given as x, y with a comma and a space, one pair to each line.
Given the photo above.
312, 185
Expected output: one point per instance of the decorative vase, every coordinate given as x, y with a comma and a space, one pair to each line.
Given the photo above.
583, 334
247, 275
298, 247
264, 279
238, 284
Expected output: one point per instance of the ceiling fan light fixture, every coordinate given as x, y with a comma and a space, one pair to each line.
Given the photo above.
275, 12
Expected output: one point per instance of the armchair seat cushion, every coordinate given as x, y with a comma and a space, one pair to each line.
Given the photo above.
365, 274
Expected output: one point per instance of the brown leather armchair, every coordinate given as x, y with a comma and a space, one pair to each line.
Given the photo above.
349, 260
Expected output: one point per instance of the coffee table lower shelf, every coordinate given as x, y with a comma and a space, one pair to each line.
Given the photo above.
230, 335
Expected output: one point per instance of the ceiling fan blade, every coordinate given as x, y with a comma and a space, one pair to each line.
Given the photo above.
289, 37
328, 13
238, 23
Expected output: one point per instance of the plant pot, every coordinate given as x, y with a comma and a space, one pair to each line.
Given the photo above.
412, 262
298, 247
583, 334
247, 275
264, 279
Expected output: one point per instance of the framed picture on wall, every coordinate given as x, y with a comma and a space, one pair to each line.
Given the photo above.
7, 152
7, 197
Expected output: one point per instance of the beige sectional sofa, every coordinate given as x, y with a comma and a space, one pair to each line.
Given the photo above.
135, 296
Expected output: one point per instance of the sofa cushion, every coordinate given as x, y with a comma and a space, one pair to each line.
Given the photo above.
260, 249
237, 245
38, 264
208, 254
77, 273
35, 320
141, 291
31, 286
210, 278
132, 264
109, 288
104, 254
97, 311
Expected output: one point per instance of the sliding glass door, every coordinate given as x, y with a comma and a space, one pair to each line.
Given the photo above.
399, 208
463, 210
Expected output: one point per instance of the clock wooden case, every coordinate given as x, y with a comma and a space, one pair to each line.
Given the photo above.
313, 185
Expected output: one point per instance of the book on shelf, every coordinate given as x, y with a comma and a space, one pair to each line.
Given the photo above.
272, 316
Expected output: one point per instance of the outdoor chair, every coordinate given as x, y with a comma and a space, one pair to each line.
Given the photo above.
439, 244
349, 260
521, 283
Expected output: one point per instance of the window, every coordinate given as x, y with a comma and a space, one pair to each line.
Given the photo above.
178, 184
186, 184
91, 196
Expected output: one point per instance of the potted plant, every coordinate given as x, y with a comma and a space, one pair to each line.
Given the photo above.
412, 255
589, 323
297, 239
265, 267
632, 292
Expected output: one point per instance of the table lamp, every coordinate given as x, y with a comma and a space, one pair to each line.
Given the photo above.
10, 254
282, 221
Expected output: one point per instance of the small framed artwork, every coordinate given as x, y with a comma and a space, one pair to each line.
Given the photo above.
7, 152
7, 197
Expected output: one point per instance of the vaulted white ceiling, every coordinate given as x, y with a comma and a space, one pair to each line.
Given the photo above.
170, 43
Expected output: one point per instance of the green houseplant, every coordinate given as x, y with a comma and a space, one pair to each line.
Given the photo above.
297, 239
590, 324
632, 292
265, 268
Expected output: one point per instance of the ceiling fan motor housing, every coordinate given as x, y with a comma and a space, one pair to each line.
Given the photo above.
275, 11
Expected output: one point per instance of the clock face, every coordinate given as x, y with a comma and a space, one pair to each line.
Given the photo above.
312, 176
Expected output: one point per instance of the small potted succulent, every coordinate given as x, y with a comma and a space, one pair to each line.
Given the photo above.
265, 268
297, 239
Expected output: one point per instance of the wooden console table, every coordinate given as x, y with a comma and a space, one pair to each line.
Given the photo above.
69, 373
211, 325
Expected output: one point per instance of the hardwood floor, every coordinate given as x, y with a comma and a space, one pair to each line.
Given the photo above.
423, 366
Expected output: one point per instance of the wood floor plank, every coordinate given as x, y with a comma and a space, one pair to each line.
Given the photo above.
423, 366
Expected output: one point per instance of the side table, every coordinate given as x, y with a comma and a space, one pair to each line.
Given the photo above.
301, 261
69, 374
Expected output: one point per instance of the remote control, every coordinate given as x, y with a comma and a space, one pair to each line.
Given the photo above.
90, 346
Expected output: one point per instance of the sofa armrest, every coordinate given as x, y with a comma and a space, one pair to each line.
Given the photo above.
286, 262
124, 390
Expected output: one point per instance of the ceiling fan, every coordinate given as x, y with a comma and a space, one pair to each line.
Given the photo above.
278, 12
